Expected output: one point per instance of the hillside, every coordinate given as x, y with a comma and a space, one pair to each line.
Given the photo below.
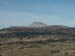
54, 40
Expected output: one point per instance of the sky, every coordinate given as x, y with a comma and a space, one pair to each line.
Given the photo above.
24, 12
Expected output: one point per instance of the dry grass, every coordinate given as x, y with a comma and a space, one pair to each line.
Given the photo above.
51, 49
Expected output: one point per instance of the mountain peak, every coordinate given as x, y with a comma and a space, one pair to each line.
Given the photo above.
37, 24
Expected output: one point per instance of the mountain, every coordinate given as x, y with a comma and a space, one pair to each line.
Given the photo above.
37, 25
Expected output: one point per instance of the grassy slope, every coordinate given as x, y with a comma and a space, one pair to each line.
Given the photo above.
65, 49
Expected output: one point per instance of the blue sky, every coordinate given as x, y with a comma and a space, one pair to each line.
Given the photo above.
24, 12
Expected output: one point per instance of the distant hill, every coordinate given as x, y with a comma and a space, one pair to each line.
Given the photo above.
37, 25
38, 28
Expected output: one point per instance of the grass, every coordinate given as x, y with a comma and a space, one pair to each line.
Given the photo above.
37, 46
50, 49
